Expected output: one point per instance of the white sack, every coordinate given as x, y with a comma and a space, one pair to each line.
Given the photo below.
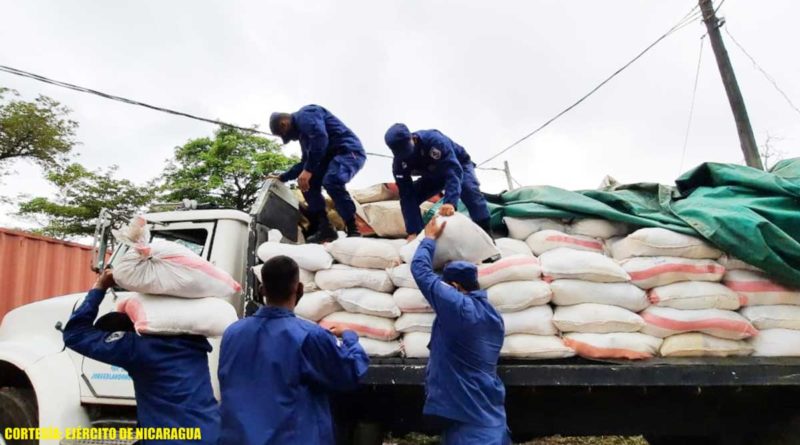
695, 344
597, 228
386, 218
378, 348
510, 247
624, 295
411, 300
546, 240
616, 345
415, 322
415, 344
650, 272
341, 276
401, 276
462, 240
315, 306
522, 228
580, 265
653, 241
782, 316
776, 343
525, 346
758, 289
537, 320
306, 277
312, 257
596, 318
664, 321
364, 253
379, 328
695, 295
168, 268
512, 296
374, 193
161, 315
367, 301
513, 268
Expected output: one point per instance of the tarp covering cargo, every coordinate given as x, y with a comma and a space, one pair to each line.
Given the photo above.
751, 214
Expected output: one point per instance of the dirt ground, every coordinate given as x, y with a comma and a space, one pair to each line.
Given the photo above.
416, 439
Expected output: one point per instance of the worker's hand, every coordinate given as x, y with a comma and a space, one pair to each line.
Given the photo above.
434, 230
447, 210
105, 280
304, 181
411, 237
337, 330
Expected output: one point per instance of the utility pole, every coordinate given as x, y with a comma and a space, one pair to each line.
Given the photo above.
507, 170
746, 138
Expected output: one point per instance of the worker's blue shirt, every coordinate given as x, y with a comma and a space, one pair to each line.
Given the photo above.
170, 373
322, 136
461, 381
275, 374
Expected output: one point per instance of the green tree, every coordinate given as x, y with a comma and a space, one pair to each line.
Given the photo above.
81, 195
226, 170
38, 130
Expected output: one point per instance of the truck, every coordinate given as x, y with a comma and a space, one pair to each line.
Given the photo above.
669, 401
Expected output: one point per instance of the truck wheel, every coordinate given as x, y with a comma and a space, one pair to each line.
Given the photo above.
18, 410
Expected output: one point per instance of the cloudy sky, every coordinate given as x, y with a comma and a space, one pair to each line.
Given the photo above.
484, 73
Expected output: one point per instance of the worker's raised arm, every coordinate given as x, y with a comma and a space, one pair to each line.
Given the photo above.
80, 334
331, 366
310, 122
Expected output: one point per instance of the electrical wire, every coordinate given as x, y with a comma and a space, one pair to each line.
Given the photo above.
688, 18
766, 75
691, 107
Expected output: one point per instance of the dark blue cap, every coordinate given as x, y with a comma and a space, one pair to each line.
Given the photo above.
463, 273
398, 138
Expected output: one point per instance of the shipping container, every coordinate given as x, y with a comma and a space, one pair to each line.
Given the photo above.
34, 267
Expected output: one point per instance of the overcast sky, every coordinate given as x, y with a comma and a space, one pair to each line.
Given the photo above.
484, 73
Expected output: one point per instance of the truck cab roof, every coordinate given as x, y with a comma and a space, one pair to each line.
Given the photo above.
198, 215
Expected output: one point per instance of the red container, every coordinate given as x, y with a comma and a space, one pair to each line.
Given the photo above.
34, 267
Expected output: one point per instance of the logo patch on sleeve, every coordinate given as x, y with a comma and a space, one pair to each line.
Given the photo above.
436, 154
114, 336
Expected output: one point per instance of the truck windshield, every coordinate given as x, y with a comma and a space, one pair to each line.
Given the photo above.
193, 239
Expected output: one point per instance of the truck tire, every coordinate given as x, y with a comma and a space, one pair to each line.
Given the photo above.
18, 410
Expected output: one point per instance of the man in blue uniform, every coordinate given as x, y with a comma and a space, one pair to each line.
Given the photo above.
461, 385
332, 155
442, 164
170, 373
276, 370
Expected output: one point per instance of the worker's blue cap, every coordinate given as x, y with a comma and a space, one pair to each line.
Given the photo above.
463, 273
398, 138
274, 119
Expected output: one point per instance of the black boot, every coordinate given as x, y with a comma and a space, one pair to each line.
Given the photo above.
352, 229
325, 232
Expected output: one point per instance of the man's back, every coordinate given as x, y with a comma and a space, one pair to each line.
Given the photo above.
314, 121
275, 374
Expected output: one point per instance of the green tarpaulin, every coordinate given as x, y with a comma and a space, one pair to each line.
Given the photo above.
748, 213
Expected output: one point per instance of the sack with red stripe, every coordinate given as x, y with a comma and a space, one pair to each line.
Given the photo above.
654, 241
541, 242
626, 345
696, 295
759, 290
513, 268
650, 272
574, 264
370, 326
596, 318
161, 315
168, 268
664, 321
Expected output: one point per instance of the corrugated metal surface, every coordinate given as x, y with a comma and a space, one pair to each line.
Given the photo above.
35, 267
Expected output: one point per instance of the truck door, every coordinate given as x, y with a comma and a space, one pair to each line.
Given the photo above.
111, 382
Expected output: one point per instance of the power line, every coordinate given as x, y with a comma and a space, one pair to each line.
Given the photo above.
688, 18
691, 108
766, 75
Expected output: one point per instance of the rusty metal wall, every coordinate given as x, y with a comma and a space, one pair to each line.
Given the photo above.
35, 267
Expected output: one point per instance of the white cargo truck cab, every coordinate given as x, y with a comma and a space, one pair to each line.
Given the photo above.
44, 384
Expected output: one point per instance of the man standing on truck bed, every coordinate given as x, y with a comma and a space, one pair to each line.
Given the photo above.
442, 164
276, 370
170, 373
332, 155
461, 384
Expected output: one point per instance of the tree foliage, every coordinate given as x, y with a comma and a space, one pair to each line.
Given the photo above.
38, 130
226, 170
81, 195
